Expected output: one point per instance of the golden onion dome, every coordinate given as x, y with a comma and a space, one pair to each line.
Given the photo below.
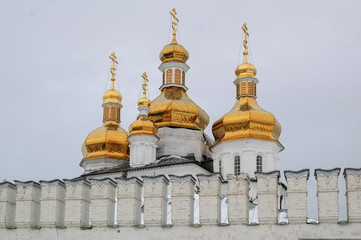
173, 108
142, 126
112, 96
246, 120
245, 70
144, 102
107, 141
174, 52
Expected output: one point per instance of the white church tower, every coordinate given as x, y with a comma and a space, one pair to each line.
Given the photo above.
142, 133
246, 138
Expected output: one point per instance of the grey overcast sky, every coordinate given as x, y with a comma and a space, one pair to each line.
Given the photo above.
54, 70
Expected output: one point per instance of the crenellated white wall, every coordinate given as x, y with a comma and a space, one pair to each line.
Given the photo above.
81, 209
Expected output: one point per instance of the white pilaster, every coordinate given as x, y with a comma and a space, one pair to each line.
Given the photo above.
210, 199
267, 187
77, 203
7, 204
52, 202
183, 189
27, 204
297, 195
238, 198
327, 194
102, 195
155, 200
129, 201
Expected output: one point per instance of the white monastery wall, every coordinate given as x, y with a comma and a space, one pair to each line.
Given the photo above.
81, 209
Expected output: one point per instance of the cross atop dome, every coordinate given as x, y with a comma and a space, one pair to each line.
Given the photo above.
174, 24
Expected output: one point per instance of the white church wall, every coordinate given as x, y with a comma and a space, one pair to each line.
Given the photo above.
181, 142
248, 150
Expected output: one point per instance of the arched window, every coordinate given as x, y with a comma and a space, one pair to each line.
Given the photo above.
169, 76
220, 166
259, 163
183, 77
177, 76
237, 165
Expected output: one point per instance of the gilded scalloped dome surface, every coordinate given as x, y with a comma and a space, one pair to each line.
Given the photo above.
142, 126
174, 53
246, 120
173, 108
112, 96
107, 141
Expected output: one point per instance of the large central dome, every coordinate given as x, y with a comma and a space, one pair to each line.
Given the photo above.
173, 108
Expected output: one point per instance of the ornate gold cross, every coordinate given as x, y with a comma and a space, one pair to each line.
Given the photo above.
144, 85
112, 69
246, 34
174, 24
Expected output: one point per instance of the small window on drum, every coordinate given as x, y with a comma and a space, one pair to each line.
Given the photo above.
237, 165
177, 76
259, 163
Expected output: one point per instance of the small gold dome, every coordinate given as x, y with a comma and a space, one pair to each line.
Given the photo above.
246, 120
107, 141
174, 53
173, 108
142, 126
112, 96
144, 102
245, 70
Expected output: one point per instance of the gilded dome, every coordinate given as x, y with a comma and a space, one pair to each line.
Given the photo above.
107, 141
144, 102
246, 120
174, 52
245, 70
112, 96
142, 126
173, 108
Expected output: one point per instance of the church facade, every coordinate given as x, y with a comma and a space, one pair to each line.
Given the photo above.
165, 178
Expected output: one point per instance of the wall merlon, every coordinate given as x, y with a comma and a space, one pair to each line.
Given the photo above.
297, 195
7, 204
183, 190
238, 198
267, 192
129, 201
353, 194
327, 194
155, 200
27, 212
210, 199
